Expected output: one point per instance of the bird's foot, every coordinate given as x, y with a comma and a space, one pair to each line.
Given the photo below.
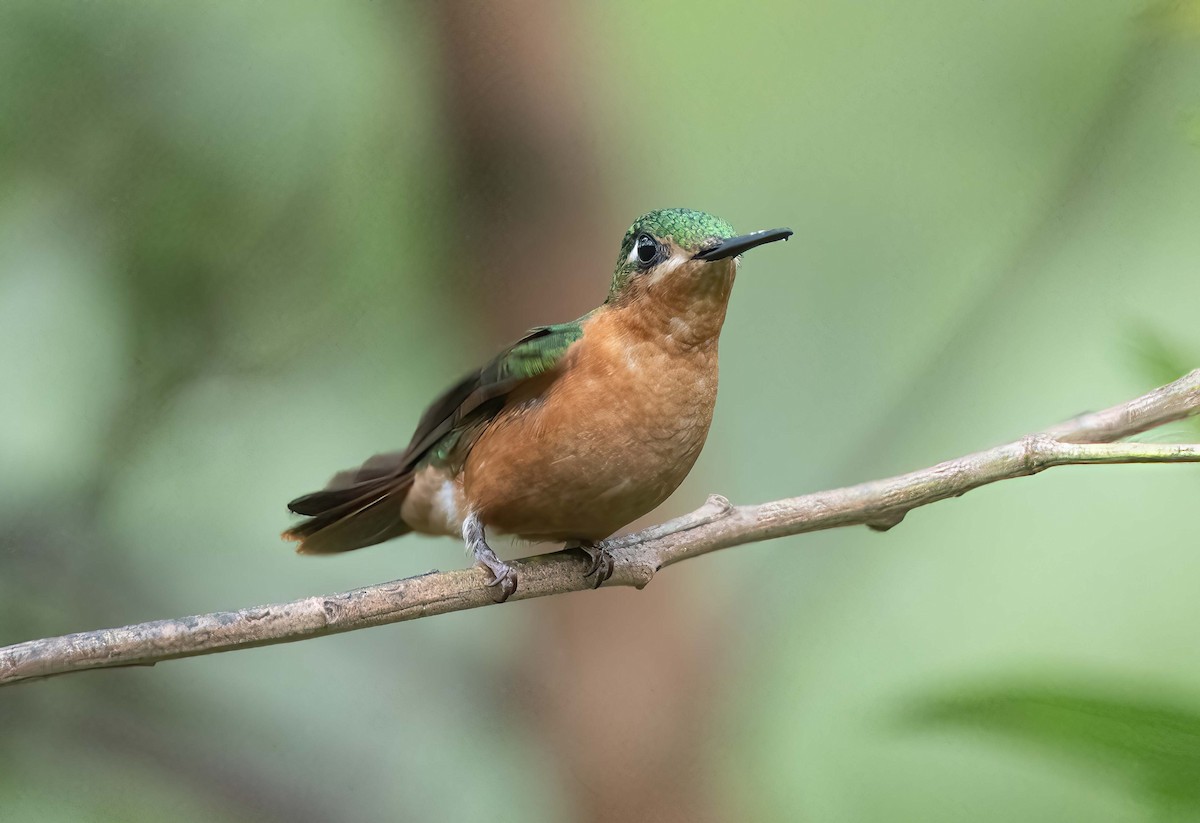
602, 561
504, 575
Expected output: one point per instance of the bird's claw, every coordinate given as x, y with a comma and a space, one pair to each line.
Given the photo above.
504, 578
602, 561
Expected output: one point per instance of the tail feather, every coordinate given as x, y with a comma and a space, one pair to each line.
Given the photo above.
343, 519
317, 503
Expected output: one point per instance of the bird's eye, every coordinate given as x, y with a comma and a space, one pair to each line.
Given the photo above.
646, 249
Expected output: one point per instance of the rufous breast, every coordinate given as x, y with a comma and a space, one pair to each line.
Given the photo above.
602, 440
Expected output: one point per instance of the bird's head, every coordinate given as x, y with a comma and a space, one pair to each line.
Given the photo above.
679, 257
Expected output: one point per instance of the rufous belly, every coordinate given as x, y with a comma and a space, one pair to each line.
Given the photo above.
609, 440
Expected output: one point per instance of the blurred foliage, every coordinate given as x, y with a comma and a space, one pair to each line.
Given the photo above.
1161, 360
1158, 357
1175, 17
229, 250
1152, 746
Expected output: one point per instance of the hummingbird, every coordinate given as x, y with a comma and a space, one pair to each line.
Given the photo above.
569, 434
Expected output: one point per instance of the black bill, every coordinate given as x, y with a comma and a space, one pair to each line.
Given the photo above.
737, 245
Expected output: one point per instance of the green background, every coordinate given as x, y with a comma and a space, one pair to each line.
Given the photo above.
243, 244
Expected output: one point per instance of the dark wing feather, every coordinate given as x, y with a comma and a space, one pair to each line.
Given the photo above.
361, 507
538, 351
371, 517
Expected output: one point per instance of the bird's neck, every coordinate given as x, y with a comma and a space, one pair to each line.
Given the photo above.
683, 312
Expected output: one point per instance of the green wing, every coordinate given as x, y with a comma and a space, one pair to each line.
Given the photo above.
539, 350
480, 395
460, 410
360, 506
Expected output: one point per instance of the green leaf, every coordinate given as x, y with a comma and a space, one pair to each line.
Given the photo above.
1152, 744
1160, 359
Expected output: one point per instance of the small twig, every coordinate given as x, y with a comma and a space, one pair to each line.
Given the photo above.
716, 525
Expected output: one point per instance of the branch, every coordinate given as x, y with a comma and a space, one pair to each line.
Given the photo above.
717, 524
